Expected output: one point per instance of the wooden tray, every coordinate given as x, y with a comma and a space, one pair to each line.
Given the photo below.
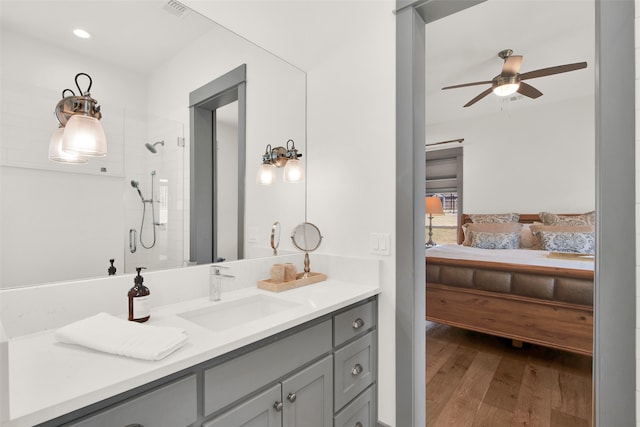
268, 285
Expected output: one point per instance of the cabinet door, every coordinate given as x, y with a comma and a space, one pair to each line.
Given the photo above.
259, 411
308, 396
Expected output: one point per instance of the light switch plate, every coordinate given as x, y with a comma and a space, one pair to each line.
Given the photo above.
252, 234
379, 243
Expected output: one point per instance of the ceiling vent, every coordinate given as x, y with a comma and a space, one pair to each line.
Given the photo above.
175, 8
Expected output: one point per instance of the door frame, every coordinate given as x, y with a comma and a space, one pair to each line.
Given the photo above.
203, 103
615, 282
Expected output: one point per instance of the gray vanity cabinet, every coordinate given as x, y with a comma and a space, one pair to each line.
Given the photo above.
302, 400
259, 411
307, 396
177, 399
319, 374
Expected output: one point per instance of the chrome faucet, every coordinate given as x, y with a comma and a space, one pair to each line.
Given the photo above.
215, 281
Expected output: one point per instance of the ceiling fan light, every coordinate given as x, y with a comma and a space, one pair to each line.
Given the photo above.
506, 89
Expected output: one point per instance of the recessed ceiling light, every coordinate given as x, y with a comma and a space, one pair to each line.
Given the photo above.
81, 33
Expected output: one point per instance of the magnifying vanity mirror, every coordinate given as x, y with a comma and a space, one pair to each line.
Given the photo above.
70, 220
306, 237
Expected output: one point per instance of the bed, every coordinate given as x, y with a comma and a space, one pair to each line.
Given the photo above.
527, 295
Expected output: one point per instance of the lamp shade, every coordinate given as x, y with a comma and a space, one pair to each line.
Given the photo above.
55, 150
293, 171
266, 174
433, 206
84, 135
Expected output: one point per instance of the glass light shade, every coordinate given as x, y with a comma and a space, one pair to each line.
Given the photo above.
84, 135
433, 206
266, 174
293, 171
506, 89
55, 150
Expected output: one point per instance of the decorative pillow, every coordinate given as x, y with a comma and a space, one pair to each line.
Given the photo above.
568, 241
526, 237
537, 227
487, 240
492, 227
492, 218
588, 218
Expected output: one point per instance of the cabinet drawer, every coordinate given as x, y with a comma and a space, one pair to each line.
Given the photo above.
230, 381
353, 369
359, 413
257, 411
172, 405
352, 323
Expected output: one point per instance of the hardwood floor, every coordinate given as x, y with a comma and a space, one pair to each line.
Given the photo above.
479, 380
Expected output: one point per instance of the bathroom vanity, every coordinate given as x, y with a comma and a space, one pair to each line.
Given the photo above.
310, 361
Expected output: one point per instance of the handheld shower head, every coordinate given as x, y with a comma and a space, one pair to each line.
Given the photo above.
152, 147
135, 184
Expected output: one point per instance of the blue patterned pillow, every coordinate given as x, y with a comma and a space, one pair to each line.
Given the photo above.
588, 218
494, 218
486, 240
567, 241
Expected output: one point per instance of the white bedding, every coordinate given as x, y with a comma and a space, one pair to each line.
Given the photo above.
513, 256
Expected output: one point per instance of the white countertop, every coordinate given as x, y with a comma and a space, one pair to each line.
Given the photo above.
48, 379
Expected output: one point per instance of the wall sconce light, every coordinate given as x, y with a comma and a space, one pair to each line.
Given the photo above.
80, 133
278, 157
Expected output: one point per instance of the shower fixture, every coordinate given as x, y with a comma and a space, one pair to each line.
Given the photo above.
152, 147
135, 184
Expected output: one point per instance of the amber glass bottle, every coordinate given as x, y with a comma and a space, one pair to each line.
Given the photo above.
139, 300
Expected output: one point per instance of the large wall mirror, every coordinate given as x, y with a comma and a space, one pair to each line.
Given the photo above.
65, 222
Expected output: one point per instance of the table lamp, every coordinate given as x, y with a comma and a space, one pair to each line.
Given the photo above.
432, 206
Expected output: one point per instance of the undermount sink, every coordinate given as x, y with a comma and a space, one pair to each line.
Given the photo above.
225, 315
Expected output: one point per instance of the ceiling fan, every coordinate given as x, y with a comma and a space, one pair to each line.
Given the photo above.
510, 80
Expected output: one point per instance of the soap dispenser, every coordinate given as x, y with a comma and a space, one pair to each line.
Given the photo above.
112, 270
139, 300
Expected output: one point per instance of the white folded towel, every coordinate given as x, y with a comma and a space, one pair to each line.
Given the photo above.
110, 334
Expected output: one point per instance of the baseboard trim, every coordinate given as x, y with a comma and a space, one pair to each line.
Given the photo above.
381, 424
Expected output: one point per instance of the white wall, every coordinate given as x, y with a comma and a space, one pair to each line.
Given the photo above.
527, 160
351, 174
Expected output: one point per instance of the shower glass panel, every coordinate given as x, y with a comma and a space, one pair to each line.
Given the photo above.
154, 193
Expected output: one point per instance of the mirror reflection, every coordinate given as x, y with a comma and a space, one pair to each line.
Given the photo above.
66, 221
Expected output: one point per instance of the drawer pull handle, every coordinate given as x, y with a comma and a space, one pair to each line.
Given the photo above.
277, 406
292, 397
134, 425
357, 370
358, 424
358, 323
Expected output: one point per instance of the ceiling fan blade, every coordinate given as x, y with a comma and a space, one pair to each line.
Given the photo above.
478, 98
488, 82
528, 90
511, 65
553, 70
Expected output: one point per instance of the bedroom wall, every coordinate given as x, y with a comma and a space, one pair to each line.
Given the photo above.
547, 153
